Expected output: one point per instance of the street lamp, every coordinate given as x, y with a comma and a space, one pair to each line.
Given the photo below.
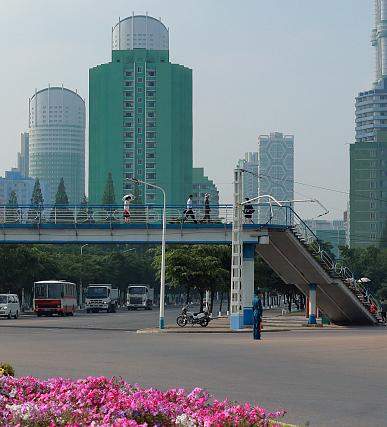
80, 280
162, 275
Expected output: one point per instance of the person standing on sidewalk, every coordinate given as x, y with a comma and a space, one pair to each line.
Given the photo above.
257, 316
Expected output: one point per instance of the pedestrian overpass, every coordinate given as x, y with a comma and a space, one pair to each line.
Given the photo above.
285, 242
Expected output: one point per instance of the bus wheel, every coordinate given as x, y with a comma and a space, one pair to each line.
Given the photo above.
88, 310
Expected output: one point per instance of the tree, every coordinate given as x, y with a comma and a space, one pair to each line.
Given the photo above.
37, 201
109, 197
60, 211
12, 208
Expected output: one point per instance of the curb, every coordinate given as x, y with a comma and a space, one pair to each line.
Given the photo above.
209, 331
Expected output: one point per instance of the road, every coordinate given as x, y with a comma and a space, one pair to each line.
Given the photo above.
326, 377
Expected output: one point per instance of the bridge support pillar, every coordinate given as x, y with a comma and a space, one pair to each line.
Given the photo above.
312, 304
248, 283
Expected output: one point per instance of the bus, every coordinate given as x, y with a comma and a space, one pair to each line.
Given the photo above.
55, 297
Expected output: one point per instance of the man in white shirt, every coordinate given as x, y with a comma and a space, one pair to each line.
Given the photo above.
189, 213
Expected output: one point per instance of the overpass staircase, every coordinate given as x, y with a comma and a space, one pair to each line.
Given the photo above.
299, 258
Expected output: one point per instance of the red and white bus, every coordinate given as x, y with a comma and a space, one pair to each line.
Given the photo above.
55, 297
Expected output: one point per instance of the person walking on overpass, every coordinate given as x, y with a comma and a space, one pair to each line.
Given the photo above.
207, 208
127, 199
257, 316
189, 213
248, 211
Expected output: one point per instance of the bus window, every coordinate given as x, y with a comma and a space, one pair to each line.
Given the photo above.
40, 290
55, 290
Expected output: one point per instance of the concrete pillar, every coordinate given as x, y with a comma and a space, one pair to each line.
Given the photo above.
312, 304
248, 283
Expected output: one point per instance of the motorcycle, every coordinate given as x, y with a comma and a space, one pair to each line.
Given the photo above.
188, 317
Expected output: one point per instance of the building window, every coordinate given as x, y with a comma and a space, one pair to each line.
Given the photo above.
151, 114
139, 69
150, 93
139, 140
139, 161
128, 104
129, 83
151, 135
129, 145
128, 94
151, 83
139, 130
139, 120
139, 150
151, 104
129, 175
129, 154
140, 90
150, 196
128, 165
128, 114
139, 100
150, 155
150, 145
128, 124
139, 79
128, 135
128, 73
150, 175
151, 73
150, 165
139, 110
151, 124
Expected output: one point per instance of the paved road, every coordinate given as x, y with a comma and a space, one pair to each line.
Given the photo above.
327, 377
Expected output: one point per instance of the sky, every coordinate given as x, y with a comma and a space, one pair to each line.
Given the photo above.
291, 66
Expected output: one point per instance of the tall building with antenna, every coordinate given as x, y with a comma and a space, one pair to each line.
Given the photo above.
140, 116
368, 155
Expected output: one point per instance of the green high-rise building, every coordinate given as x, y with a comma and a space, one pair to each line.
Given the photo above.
140, 122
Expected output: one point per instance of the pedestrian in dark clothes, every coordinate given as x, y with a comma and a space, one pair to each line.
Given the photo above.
257, 316
207, 208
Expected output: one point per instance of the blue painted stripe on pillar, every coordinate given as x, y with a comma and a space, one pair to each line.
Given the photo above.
248, 251
236, 322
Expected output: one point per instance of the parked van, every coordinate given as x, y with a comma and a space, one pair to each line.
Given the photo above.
9, 305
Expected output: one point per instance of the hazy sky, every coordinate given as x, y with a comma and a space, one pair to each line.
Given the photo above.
292, 66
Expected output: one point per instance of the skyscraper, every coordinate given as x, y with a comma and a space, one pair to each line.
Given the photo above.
141, 115
276, 172
368, 155
250, 180
57, 141
24, 156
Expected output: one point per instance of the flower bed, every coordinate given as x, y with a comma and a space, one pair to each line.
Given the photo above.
111, 402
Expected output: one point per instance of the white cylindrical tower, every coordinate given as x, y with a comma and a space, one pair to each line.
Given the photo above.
57, 141
140, 32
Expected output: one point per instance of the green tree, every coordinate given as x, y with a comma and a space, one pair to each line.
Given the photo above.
37, 201
109, 197
12, 208
60, 212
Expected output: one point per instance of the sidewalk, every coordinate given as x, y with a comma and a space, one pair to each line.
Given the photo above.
272, 322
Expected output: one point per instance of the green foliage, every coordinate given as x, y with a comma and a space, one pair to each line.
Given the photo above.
61, 198
37, 196
109, 197
6, 369
12, 201
382, 292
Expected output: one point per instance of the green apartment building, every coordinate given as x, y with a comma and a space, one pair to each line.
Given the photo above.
140, 116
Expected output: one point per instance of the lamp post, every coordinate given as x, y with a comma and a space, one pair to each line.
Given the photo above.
80, 280
162, 275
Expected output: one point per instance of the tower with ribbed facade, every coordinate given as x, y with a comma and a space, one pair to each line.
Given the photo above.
57, 141
368, 155
140, 118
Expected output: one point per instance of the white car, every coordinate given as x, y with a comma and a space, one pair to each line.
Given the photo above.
9, 305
